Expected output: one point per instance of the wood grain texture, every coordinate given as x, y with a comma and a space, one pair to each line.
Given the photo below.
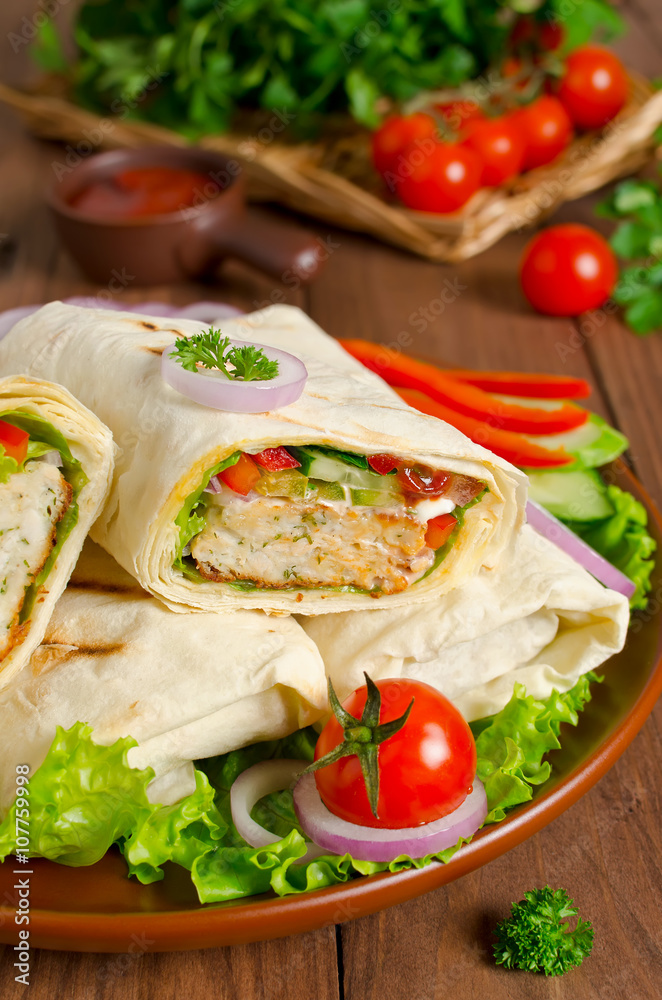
268, 970
607, 849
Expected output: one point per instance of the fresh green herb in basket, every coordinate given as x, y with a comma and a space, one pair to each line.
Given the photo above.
189, 64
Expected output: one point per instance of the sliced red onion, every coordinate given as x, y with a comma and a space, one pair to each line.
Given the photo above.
254, 784
369, 843
53, 458
555, 531
221, 393
213, 486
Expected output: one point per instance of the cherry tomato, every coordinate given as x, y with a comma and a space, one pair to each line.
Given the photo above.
276, 459
426, 770
567, 270
546, 130
242, 476
551, 35
14, 441
594, 87
383, 464
421, 479
442, 180
457, 114
398, 132
439, 530
500, 145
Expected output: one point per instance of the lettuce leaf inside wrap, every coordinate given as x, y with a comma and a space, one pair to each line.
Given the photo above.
85, 797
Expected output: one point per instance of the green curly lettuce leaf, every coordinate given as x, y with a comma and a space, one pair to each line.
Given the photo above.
512, 744
82, 799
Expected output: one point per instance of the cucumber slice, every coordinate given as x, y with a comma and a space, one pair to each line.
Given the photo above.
373, 498
571, 496
594, 443
319, 490
285, 483
318, 465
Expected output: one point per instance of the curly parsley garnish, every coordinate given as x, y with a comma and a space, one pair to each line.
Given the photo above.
210, 350
536, 936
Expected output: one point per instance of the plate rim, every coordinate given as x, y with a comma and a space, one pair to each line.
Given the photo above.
266, 917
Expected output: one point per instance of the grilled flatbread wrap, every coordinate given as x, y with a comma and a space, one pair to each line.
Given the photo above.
49, 498
538, 619
184, 687
280, 555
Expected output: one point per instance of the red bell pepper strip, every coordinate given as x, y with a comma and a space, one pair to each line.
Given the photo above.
524, 384
506, 444
242, 476
439, 530
407, 373
276, 459
14, 441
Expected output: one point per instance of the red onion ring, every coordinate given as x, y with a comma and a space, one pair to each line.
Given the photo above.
252, 785
221, 393
369, 843
555, 531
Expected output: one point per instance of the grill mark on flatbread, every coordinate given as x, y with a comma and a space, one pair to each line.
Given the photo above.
89, 649
154, 350
52, 654
148, 326
99, 587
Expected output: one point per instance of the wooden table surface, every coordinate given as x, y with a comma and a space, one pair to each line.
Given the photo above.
437, 945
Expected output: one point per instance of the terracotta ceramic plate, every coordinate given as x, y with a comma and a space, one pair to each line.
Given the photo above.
100, 909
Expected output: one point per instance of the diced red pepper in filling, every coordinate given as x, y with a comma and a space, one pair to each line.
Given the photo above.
276, 459
439, 530
383, 464
14, 440
242, 476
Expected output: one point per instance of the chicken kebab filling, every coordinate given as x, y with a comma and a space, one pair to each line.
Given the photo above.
313, 517
38, 508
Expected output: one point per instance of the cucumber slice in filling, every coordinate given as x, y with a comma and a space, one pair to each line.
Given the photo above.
318, 465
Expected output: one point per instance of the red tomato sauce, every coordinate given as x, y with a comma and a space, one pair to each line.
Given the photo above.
145, 191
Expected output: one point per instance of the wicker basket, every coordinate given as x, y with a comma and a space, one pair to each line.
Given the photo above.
332, 179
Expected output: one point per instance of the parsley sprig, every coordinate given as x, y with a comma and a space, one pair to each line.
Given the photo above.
210, 350
637, 207
537, 937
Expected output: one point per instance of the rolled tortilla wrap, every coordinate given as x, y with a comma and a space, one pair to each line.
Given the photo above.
169, 443
184, 687
47, 506
538, 619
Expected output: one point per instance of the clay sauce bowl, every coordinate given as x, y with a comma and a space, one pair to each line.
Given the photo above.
188, 243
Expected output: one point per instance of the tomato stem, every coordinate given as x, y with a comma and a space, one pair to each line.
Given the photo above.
362, 737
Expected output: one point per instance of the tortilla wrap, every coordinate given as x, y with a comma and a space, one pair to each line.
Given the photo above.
184, 687
538, 619
112, 363
91, 444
